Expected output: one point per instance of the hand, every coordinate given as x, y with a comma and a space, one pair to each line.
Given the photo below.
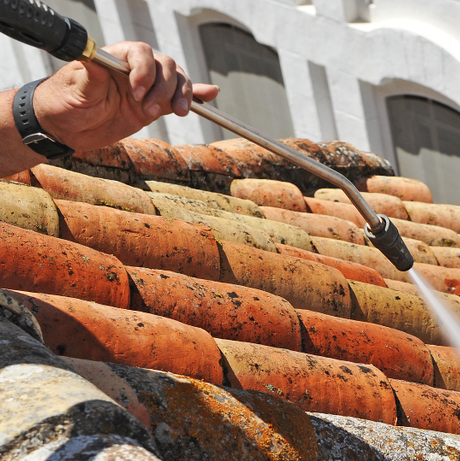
86, 106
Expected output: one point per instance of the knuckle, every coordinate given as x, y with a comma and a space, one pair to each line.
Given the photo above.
167, 61
144, 47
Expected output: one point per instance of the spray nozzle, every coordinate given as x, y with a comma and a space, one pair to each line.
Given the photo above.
390, 243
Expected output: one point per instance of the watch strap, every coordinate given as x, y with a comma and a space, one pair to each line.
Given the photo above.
30, 130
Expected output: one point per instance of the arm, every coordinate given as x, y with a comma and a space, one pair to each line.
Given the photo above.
85, 106
14, 155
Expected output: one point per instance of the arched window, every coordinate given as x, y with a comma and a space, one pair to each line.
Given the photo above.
426, 137
249, 75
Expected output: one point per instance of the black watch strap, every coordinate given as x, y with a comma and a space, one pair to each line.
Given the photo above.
30, 130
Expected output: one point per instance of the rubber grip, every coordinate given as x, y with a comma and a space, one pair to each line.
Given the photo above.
36, 24
391, 244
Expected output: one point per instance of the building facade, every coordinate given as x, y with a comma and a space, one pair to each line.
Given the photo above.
383, 75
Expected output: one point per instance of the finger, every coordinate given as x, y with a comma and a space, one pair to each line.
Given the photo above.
159, 99
142, 65
205, 92
182, 98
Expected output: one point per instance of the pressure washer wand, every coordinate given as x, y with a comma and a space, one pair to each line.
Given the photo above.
34, 23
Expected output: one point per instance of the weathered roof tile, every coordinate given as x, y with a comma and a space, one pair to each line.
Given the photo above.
388, 205
224, 310
69, 185
447, 367
350, 270
278, 321
447, 257
222, 228
436, 214
114, 155
343, 211
406, 189
428, 233
29, 208
317, 224
87, 330
46, 408
426, 407
326, 291
395, 309
211, 199
398, 354
314, 383
176, 206
35, 262
198, 420
154, 159
268, 192
142, 240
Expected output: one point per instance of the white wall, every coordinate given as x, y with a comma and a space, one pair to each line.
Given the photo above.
339, 58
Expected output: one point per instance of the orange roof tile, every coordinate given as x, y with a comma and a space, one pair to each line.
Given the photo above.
118, 291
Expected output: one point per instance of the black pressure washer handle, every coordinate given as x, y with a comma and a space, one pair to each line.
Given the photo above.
390, 243
36, 24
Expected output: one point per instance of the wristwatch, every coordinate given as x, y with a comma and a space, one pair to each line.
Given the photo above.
30, 130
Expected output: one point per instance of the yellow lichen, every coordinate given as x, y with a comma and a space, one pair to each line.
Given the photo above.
212, 414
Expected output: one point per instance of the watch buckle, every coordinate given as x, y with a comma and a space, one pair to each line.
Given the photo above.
35, 138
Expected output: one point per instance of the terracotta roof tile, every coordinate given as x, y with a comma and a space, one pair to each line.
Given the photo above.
68, 185
447, 367
175, 206
420, 251
142, 240
360, 254
212, 200
447, 257
115, 156
388, 205
405, 188
350, 270
223, 228
268, 192
224, 310
436, 214
252, 160
343, 211
317, 224
326, 291
208, 159
310, 381
444, 279
29, 208
201, 420
432, 235
301, 322
35, 262
399, 310
83, 329
351, 162
156, 159
398, 354
426, 407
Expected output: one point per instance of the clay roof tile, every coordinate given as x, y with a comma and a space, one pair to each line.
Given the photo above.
322, 322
